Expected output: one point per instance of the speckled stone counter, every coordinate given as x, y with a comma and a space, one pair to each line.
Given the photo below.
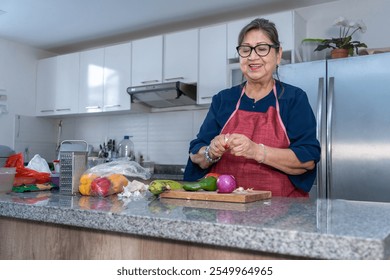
294, 227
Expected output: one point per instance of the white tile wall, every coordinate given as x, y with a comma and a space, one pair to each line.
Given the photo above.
160, 137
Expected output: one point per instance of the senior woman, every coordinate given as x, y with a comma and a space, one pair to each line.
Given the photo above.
263, 132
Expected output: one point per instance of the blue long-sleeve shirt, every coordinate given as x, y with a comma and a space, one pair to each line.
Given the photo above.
295, 112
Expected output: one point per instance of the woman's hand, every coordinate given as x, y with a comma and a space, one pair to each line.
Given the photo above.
218, 146
283, 159
240, 145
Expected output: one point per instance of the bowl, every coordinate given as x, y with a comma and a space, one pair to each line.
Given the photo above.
7, 176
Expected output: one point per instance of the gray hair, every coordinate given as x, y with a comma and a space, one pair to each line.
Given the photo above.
270, 30
266, 26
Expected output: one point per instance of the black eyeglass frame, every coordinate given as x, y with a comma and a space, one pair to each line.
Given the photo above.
254, 49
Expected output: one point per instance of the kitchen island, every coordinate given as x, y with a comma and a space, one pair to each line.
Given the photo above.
48, 225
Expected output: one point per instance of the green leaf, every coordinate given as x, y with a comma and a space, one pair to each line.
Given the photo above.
316, 40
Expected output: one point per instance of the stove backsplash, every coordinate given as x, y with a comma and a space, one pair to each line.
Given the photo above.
161, 137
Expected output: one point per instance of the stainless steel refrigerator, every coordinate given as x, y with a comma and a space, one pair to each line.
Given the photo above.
351, 100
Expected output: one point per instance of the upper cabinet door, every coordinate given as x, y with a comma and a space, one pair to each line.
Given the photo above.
91, 81
147, 61
117, 77
68, 77
212, 62
233, 30
46, 86
285, 25
181, 56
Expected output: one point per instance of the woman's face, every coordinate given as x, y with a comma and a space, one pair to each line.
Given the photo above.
254, 67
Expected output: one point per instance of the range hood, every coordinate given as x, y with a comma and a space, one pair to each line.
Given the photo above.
164, 95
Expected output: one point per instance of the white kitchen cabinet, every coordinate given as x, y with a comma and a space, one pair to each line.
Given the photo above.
105, 74
67, 87
46, 86
181, 56
91, 81
147, 61
233, 30
58, 85
284, 23
117, 77
212, 62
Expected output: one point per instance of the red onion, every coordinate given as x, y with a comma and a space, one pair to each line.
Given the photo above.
226, 183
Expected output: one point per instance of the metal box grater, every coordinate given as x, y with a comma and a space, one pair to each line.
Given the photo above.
72, 166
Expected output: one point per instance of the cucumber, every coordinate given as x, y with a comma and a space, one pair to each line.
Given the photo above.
206, 184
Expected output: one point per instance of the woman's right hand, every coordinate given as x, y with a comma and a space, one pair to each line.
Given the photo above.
218, 146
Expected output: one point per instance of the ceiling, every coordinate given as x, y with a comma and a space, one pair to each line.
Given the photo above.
62, 26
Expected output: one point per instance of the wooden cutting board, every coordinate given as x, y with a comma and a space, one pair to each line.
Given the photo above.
241, 197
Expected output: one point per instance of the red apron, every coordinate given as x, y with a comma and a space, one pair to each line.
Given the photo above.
266, 128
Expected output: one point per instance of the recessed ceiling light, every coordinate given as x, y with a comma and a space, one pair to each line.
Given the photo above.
2, 12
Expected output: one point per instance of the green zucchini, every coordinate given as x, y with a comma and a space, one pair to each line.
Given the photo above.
206, 184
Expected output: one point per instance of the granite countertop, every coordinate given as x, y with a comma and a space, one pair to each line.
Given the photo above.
315, 229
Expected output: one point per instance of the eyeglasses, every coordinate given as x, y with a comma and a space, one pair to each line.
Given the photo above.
260, 50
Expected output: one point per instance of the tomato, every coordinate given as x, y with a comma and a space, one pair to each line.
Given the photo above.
216, 175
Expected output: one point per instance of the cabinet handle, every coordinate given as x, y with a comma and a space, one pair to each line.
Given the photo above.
112, 106
47, 111
206, 97
92, 107
149, 82
65, 109
174, 79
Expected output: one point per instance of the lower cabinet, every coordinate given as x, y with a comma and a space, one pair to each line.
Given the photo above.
31, 240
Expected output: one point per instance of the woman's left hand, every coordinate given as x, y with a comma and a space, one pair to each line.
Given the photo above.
240, 145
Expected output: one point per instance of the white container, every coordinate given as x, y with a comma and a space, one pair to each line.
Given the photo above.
7, 177
126, 148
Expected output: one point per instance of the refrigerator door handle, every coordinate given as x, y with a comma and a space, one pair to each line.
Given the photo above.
321, 167
319, 106
329, 136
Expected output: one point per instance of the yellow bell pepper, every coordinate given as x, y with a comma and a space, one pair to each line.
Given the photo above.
85, 183
118, 182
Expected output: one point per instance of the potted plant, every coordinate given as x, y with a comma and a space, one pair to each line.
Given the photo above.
343, 46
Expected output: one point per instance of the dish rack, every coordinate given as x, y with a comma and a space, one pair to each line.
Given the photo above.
73, 163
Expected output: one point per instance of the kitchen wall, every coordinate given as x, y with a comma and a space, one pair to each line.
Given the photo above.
17, 82
374, 13
162, 137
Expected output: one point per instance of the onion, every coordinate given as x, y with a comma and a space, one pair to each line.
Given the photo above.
226, 183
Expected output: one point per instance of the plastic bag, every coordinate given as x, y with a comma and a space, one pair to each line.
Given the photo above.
110, 178
39, 164
24, 174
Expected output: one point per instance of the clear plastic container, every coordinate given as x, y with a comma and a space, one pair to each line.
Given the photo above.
126, 148
7, 176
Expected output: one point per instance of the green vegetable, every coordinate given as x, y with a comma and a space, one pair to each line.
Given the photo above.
206, 184
158, 186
